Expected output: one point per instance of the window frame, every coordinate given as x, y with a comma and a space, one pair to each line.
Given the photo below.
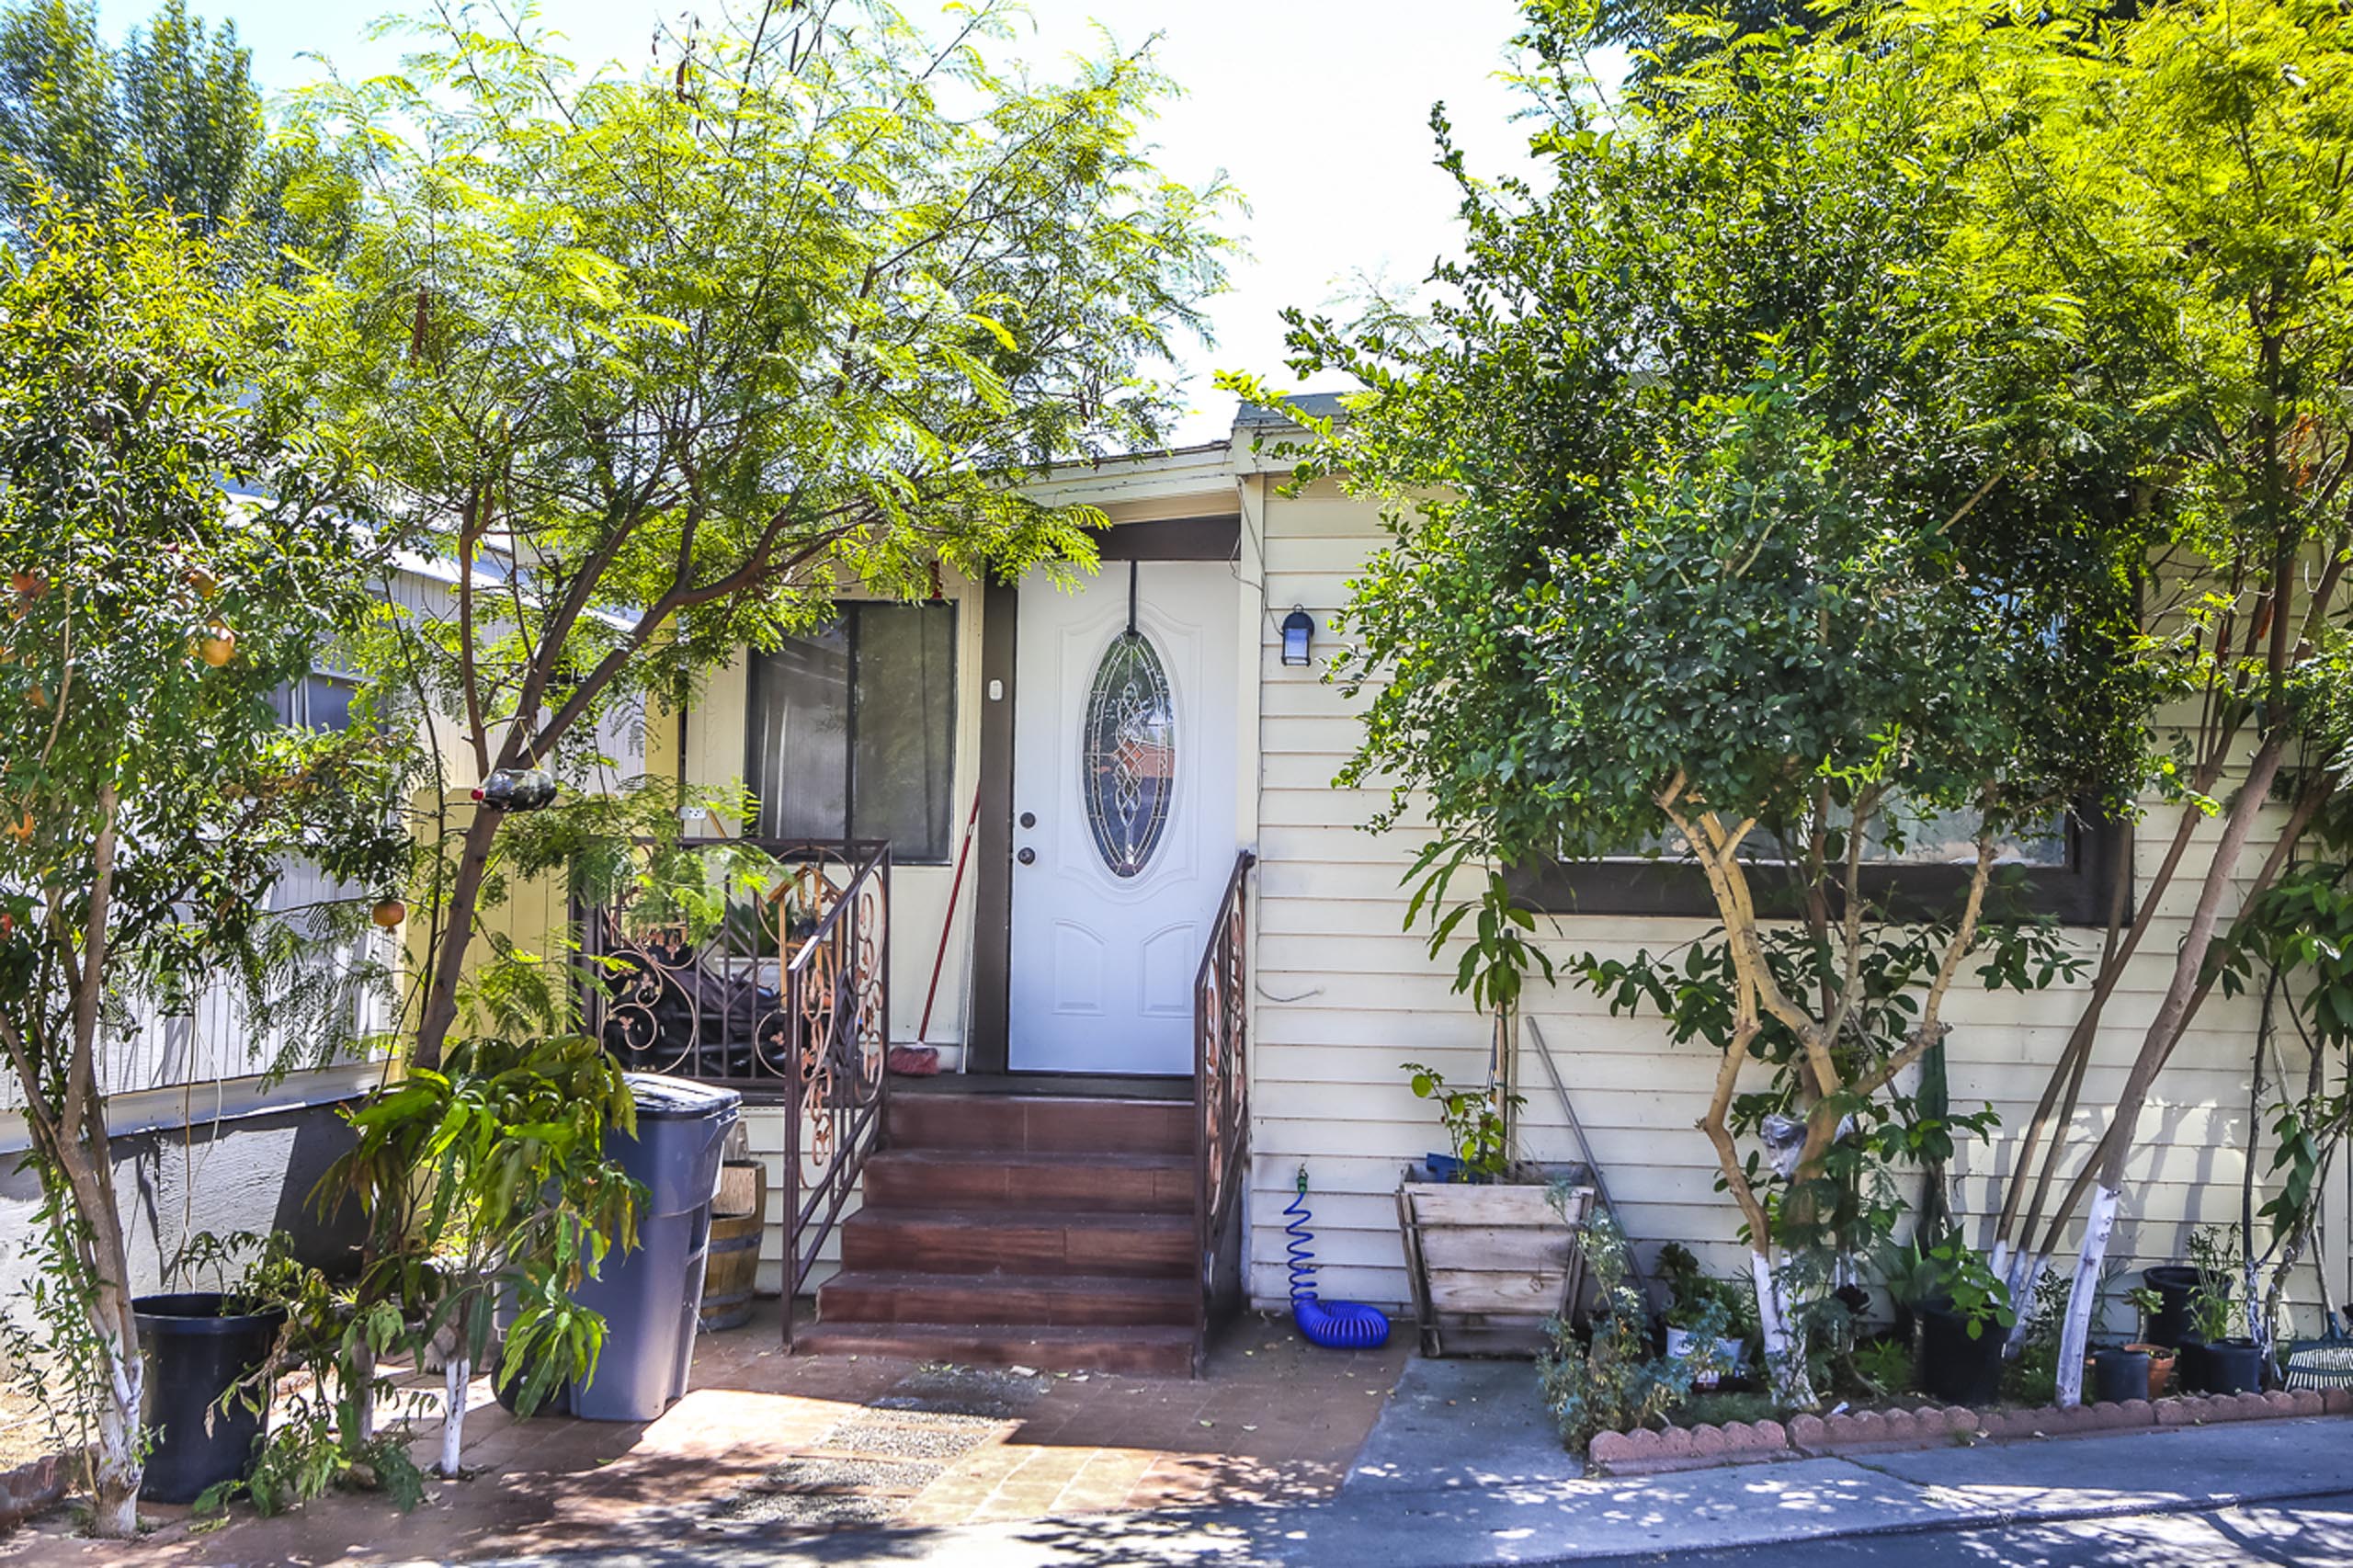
851, 614
2075, 894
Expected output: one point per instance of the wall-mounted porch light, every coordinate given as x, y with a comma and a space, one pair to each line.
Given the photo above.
1298, 626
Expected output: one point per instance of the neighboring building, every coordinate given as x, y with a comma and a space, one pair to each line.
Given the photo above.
223, 1122
1117, 779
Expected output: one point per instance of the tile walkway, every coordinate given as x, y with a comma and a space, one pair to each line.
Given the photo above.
767, 1443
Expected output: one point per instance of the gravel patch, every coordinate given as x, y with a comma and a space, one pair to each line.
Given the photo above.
915, 1436
940, 1389
842, 1475
808, 1510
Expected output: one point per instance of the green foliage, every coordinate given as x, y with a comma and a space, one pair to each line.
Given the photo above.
1885, 1367
2301, 931
172, 114
499, 1162
1610, 1381
1846, 1199
316, 1440
1473, 1122
1696, 1296
1947, 1272
2035, 1370
2215, 1253
789, 311
1968, 1282
1729, 523
170, 568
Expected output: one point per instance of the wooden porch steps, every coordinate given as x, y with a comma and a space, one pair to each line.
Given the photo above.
1043, 1231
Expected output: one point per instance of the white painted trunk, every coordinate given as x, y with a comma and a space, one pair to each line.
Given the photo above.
2082, 1296
115, 1466
1784, 1346
2023, 1281
1999, 1259
454, 1376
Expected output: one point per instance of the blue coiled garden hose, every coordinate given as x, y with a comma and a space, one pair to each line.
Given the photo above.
1337, 1325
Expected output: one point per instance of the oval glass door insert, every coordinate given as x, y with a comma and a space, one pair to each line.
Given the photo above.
1128, 755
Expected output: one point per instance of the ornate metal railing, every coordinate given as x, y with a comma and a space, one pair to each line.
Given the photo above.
1222, 1099
687, 958
764, 966
838, 990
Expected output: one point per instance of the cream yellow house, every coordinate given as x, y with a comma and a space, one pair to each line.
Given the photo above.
1138, 757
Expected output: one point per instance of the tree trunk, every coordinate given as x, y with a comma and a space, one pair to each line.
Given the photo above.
2074, 1333
1784, 1336
448, 958
456, 1375
2164, 1030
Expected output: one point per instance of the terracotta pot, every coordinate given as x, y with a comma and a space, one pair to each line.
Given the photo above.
2161, 1359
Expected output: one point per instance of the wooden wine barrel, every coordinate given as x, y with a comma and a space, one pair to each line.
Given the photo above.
738, 1218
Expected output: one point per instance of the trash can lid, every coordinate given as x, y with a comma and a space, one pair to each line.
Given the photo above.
661, 1098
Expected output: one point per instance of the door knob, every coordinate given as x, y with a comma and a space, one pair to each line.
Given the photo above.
1028, 856
1028, 819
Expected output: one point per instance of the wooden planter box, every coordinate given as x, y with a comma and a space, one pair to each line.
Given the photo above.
1490, 1264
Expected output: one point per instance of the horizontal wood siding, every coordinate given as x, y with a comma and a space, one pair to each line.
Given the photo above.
1346, 994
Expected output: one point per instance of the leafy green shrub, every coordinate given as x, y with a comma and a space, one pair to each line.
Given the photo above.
1473, 1123
1611, 1382
1883, 1367
1692, 1290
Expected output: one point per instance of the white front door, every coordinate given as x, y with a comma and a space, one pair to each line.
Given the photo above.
1123, 792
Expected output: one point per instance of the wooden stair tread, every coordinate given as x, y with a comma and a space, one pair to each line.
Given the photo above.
1144, 1285
1045, 1159
1022, 1217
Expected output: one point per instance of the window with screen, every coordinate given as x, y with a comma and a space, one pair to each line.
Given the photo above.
852, 731
320, 701
2063, 868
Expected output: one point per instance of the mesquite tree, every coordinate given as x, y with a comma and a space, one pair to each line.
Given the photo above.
663, 361
2177, 188
149, 794
1719, 529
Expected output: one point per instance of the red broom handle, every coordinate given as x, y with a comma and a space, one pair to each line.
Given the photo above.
964, 852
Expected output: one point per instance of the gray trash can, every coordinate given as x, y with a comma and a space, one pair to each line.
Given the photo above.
649, 1297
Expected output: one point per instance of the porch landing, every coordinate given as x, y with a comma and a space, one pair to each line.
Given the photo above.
1055, 1231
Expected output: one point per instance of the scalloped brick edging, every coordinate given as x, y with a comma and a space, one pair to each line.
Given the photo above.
30, 1488
1881, 1431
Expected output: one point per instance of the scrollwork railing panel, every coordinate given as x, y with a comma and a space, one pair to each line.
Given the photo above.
1222, 1098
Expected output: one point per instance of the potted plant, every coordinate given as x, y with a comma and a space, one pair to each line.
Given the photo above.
1700, 1305
1491, 1246
2149, 1302
205, 1353
1474, 1127
2164, 1291
2220, 1361
1961, 1361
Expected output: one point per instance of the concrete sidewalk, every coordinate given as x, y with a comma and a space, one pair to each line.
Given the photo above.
1462, 1470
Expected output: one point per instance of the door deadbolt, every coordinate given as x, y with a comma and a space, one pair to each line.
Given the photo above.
1028, 819
1028, 857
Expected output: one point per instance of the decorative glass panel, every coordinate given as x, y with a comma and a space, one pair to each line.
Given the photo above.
1128, 759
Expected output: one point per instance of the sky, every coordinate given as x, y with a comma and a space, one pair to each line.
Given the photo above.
1316, 110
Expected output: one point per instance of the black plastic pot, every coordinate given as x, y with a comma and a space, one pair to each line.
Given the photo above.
195, 1352
2224, 1366
1954, 1367
2119, 1374
2174, 1283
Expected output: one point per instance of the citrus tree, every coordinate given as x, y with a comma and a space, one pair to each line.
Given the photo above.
662, 361
169, 570
1727, 525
